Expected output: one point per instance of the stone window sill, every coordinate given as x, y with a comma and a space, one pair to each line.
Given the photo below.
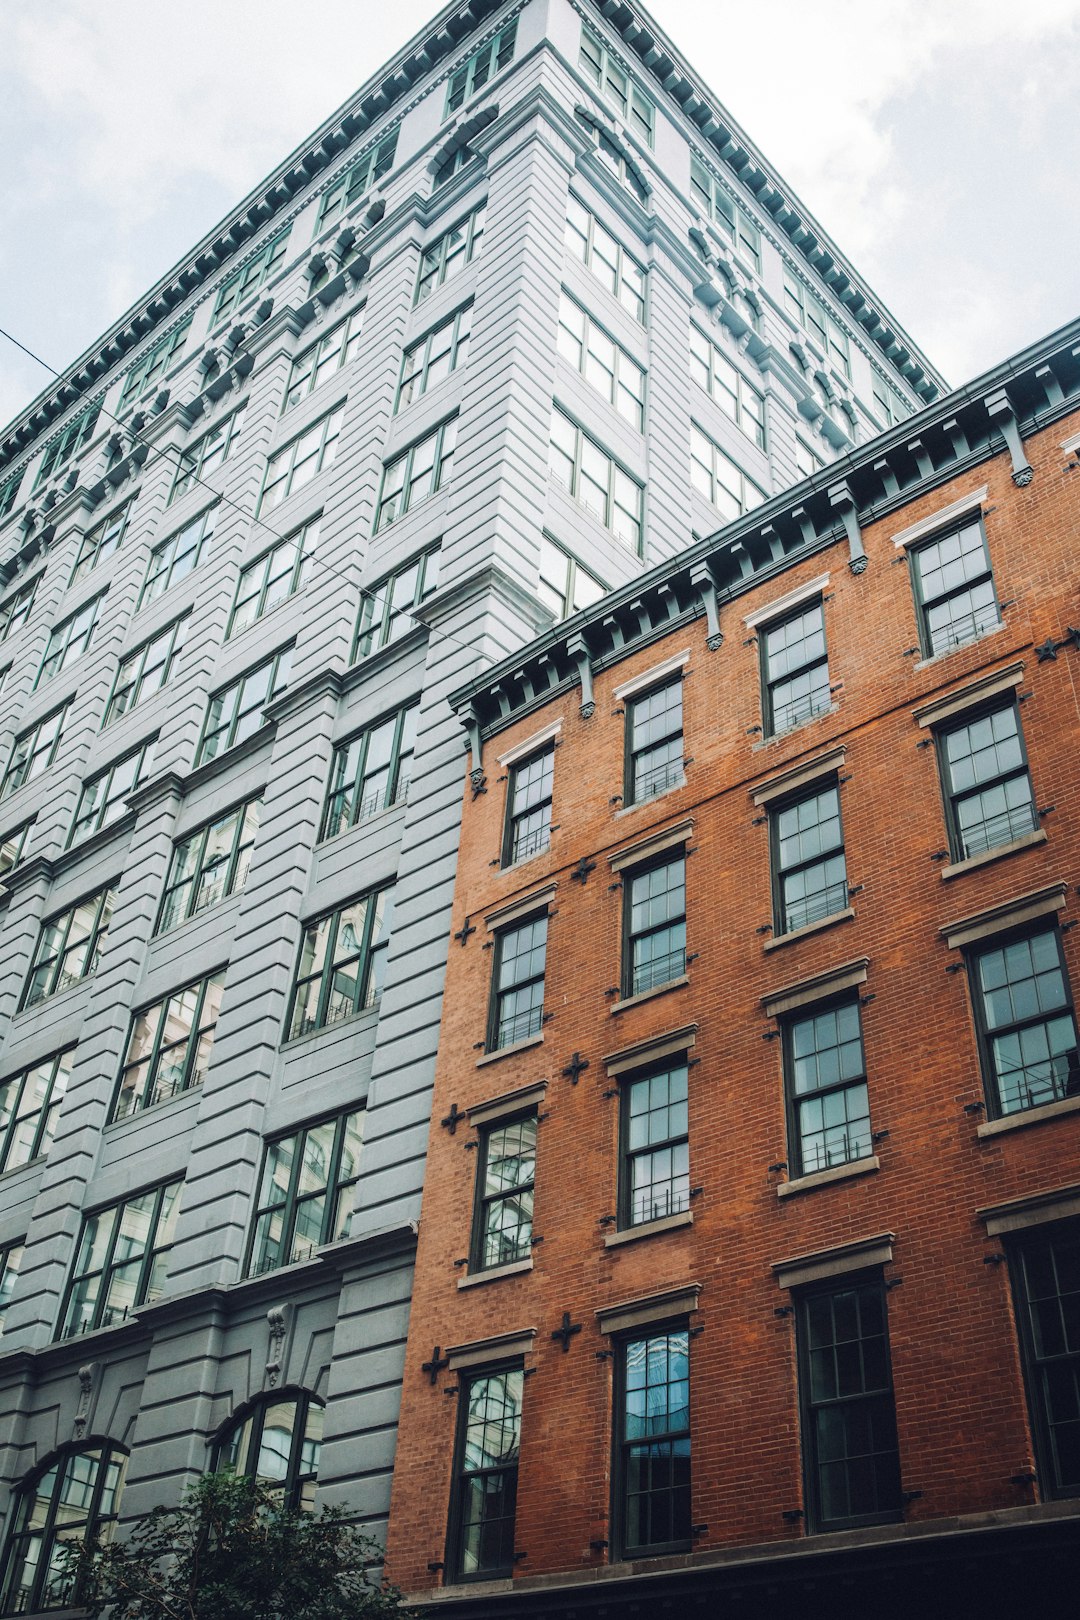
809, 928
1029, 1116
791, 731
947, 652
654, 798
648, 995
958, 868
666, 1223
825, 1178
514, 1269
508, 1051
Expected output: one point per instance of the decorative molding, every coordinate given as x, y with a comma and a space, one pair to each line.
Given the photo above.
527, 906
798, 776
643, 849
279, 1320
969, 696
680, 1301
1034, 1209
510, 1102
790, 599
1008, 914
836, 1262
820, 987
502, 1347
942, 518
87, 1379
651, 676
651, 1050
530, 744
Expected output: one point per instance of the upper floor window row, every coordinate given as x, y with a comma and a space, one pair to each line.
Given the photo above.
272, 578
153, 365
727, 385
34, 750
812, 315
608, 260
236, 711
250, 276
358, 179
714, 201
601, 361
426, 363
596, 481
9, 492
207, 453
420, 471
616, 86
306, 1192
15, 609
74, 437
481, 66
296, 464
174, 557
386, 609
333, 350
455, 249
69, 947
69, 639
100, 542
720, 479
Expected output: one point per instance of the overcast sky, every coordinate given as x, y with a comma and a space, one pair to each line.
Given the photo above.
938, 141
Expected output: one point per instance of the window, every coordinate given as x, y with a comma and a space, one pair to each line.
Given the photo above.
652, 1428
29, 1108
654, 923
984, 770
717, 477
596, 481
484, 1498
10, 1261
209, 865
236, 712
250, 276
151, 367
889, 406
426, 363
272, 578
417, 473
370, 772
451, 253
15, 846
122, 1260
502, 1225
146, 670
69, 640
600, 360
100, 542
34, 751
277, 1442
208, 453
15, 609
727, 385
828, 1107
565, 586
74, 437
848, 1418
954, 589
795, 669
655, 1148
809, 869
103, 796
386, 609
342, 964
634, 106
305, 1195
74, 1502
807, 459
290, 468
169, 1046
710, 196
608, 260
654, 742
450, 165
1045, 1276
1024, 1012
174, 558
615, 157
358, 179
332, 351
813, 317
9, 491
528, 807
481, 66
69, 947
517, 1002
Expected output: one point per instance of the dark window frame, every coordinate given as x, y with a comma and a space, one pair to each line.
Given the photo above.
64, 646
368, 984
622, 1446
628, 1154
101, 540
103, 900
396, 792
484, 1201
540, 835
191, 465
230, 1436
106, 1452
45, 1113
438, 264
153, 363
303, 543
793, 1100
17, 606
251, 275
924, 604
628, 980
333, 1190
953, 798
160, 1047
534, 1014
357, 179
770, 682
177, 880
460, 1476
631, 754
170, 638
779, 873
275, 662
991, 1079
164, 555
377, 615
420, 352
1020, 1247
85, 825
151, 1254
483, 64
31, 735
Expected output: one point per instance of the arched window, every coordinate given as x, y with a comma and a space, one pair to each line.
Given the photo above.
276, 1438
76, 1497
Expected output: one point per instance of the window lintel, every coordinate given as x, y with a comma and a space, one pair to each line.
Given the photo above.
651, 1050
778, 607
659, 1307
509, 1102
834, 1262
530, 745
818, 988
798, 776
970, 696
643, 849
516, 910
485, 1352
1009, 914
652, 676
1036, 1209
936, 521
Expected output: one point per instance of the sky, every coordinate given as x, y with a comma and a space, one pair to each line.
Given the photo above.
936, 141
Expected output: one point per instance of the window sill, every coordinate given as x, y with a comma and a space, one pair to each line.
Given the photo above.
986, 856
1029, 1116
494, 1273
825, 1178
630, 1234
508, 1051
793, 731
654, 798
295, 1042
809, 928
523, 860
935, 658
647, 995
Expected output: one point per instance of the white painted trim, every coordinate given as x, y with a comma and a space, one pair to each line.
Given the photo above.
651, 677
530, 744
1071, 444
790, 599
797, 776
967, 697
1010, 914
514, 910
938, 519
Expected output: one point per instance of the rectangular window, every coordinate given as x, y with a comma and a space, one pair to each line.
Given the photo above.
848, 1417
889, 406
151, 367
208, 453
565, 586
1045, 1276
727, 385
357, 180
306, 1192
370, 772
272, 578
710, 196
9, 492
236, 712
332, 351
290, 468
654, 742
481, 66
795, 669
418, 472
342, 964
169, 1046
34, 751
69, 640
29, 1108
655, 1156
69, 947
385, 611
954, 589
15, 846
146, 670
74, 437
428, 362
250, 276
652, 1428
984, 770
517, 984
15, 609
815, 318
209, 865
616, 86
1023, 1008
451, 253
100, 542
452, 164
505, 1174
829, 1110
122, 1260
608, 260
528, 807
10, 1261
173, 559
596, 481
654, 924
484, 1498
809, 869
719, 479
807, 459
103, 796
600, 360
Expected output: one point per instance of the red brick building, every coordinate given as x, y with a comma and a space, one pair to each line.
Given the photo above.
749, 1260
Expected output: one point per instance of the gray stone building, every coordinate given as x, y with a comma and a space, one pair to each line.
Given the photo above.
524, 317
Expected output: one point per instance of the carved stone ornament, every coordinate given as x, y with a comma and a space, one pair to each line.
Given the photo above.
277, 1318
87, 1376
